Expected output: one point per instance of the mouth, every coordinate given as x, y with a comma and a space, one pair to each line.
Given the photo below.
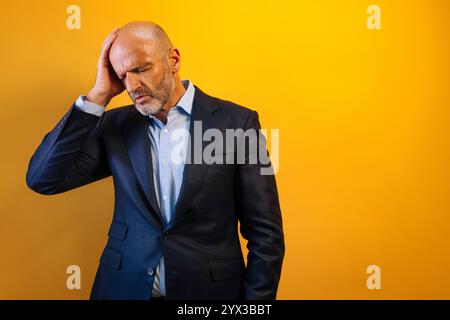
141, 98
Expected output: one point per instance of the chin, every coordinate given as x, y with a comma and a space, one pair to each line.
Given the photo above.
147, 110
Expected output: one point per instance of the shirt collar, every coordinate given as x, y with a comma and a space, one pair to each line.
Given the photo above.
186, 101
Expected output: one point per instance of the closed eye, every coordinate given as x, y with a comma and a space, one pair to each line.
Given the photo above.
135, 70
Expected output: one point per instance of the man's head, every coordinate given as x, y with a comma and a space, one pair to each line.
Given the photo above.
144, 59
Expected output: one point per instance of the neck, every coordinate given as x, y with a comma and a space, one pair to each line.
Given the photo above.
176, 95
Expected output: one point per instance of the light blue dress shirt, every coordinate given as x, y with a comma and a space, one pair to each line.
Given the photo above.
168, 150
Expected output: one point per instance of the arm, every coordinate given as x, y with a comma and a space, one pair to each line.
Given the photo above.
71, 155
261, 224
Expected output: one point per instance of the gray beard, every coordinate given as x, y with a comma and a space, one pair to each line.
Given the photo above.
155, 105
147, 109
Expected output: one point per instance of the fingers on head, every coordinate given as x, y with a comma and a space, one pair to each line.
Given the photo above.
110, 38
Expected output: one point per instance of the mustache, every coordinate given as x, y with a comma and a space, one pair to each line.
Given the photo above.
134, 95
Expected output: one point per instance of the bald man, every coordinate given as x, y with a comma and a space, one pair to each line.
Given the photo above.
174, 232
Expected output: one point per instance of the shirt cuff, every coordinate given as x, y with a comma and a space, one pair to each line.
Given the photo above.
89, 107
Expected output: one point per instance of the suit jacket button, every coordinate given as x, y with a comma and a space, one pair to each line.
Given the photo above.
150, 271
166, 236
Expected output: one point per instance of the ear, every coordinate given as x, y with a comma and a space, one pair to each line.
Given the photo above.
174, 60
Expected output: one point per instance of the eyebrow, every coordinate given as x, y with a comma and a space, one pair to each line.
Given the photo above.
141, 66
148, 63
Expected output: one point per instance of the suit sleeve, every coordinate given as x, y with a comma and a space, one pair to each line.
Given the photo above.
69, 156
260, 222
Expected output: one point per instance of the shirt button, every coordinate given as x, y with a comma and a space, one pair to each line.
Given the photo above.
164, 162
165, 130
164, 197
150, 271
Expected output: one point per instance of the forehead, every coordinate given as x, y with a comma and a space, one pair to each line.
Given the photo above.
126, 53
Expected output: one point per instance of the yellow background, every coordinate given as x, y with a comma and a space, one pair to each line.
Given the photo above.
364, 134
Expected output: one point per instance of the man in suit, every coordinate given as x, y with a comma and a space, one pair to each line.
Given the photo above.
174, 233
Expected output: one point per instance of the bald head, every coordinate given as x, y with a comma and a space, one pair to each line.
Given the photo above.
141, 35
146, 62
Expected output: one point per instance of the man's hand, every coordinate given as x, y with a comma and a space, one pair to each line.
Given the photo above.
107, 84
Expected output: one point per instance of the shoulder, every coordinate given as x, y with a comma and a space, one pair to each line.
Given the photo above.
122, 111
232, 107
119, 113
231, 112
114, 119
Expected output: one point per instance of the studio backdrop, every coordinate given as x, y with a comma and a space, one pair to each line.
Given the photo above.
355, 98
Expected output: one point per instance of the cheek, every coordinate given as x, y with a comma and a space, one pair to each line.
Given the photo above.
145, 79
152, 79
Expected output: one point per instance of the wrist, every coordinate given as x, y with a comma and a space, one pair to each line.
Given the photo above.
98, 98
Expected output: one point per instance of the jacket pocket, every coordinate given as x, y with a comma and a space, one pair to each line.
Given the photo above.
118, 230
111, 258
226, 269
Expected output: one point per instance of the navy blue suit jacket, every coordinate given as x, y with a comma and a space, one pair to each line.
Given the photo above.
200, 244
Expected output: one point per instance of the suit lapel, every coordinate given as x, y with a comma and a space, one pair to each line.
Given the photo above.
193, 173
137, 142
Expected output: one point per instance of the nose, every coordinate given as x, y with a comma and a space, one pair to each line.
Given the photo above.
132, 83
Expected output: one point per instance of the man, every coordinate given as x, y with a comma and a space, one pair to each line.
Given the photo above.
174, 233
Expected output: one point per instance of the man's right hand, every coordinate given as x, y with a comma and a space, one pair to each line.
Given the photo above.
107, 84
